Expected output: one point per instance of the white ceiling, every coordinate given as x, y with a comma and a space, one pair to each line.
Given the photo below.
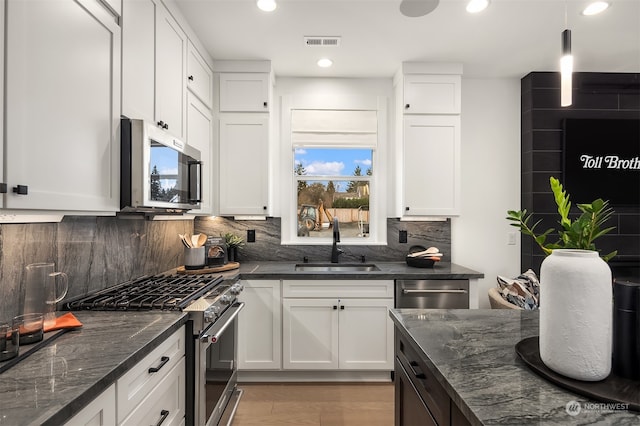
509, 39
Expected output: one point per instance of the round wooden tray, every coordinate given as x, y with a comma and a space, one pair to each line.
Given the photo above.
228, 267
611, 389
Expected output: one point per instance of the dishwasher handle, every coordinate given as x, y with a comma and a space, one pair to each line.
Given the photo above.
425, 291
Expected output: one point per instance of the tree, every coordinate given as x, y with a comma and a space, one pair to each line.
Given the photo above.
353, 185
331, 189
300, 171
156, 189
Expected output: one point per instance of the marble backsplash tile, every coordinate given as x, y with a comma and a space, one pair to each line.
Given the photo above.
95, 252
268, 247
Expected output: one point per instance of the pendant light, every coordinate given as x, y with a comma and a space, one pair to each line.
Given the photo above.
566, 70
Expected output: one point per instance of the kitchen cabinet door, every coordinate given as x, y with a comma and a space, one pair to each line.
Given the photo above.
310, 334
199, 76
62, 106
366, 334
244, 92
244, 179
2, 27
200, 136
431, 178
260, 326
99, 412
139, 59
171, 87
432, 94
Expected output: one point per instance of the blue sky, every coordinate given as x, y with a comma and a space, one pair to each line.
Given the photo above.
333, 162
166, 160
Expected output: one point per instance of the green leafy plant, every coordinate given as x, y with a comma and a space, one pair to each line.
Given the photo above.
232, 240
578, 233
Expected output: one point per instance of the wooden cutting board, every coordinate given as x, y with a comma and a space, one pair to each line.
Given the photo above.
208, 270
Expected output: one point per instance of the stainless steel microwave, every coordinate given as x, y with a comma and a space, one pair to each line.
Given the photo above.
157, 170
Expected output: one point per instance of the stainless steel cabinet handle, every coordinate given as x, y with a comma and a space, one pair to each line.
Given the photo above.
406, 291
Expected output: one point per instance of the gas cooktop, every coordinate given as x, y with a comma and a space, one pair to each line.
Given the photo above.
165, 292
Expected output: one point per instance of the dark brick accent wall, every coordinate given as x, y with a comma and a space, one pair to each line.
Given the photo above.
595, 95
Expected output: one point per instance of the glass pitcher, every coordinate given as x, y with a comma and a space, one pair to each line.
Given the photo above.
44, 289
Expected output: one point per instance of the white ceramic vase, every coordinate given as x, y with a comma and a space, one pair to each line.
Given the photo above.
576, 314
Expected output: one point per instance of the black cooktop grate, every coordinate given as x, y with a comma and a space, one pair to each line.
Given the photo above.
166, 292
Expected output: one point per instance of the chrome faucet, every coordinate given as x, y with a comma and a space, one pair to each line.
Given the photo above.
335, 251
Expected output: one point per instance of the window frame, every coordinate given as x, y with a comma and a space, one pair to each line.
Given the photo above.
288, 180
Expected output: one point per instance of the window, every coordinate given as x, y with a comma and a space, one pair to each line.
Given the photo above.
333, 183
334, 152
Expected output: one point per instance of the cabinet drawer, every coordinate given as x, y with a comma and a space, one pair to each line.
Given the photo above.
428, 387
410, 409
138, 382
165, 402
338, 288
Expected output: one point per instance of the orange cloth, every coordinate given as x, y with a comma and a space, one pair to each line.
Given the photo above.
67, 320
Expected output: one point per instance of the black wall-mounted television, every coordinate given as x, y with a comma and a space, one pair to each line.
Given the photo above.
601, 159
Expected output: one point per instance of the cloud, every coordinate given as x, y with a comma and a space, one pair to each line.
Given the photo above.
363, 162
324, 168
300, 151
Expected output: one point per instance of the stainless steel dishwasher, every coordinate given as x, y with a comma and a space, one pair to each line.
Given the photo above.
432, 294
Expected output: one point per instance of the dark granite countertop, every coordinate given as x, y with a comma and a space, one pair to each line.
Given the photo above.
388, 271
57, 381
471, 352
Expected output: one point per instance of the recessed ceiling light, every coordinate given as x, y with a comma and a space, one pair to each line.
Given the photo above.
475, 6
267, 5
325, 62
595, 7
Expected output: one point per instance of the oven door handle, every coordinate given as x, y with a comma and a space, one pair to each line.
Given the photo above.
407, 291
214, 331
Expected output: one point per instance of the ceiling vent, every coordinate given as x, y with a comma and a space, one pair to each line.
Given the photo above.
322, 41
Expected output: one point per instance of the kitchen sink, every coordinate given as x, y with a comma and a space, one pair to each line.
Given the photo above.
336, 267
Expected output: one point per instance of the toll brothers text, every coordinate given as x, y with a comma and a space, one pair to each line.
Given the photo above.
609, 162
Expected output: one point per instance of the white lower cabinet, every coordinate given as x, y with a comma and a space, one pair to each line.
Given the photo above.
337, 325
165, 404
147, 376
260, 325
310, 332
99, 412
151, 392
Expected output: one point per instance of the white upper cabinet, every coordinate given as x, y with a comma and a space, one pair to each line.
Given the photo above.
431, 165
244, 92
154, 66
199, 76
428, 105
200, 136
244, 148
62, 102
171, 69
431, 94
139, 59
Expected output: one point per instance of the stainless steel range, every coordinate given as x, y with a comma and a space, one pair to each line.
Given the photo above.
211, 351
